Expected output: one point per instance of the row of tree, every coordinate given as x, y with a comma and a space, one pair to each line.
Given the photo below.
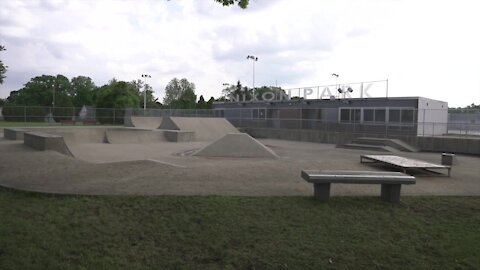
3, 67
59, 91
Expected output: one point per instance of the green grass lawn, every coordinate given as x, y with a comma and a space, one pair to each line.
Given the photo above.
40, 231
25, 124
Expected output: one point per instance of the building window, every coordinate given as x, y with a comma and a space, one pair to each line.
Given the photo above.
351, 115
380, 115
394, 116
258, 113
368, 115
407, 116
356, 115
344, 115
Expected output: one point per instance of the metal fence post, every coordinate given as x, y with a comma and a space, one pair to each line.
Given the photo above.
24, 114
113, 116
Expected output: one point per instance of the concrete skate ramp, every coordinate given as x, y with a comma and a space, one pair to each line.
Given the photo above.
145, 122
206, 129
45, 141
79, 135
73, 135
238, 145
124, 136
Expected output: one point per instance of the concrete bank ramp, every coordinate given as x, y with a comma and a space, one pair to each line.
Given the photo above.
146, 122
206, 129
74, 136
46, 141
125, 136
238, 145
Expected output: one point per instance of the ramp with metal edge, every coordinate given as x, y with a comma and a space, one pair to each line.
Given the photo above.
395, 143
380, 148
403, 162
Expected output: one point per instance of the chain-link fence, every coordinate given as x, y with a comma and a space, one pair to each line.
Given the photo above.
62, 115
27, 115
377, 121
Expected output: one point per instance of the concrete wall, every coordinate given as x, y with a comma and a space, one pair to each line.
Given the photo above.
13, 133
431, 144
432, 117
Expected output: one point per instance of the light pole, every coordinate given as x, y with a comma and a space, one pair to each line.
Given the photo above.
254, 59
53, 100
145, 76
336, 80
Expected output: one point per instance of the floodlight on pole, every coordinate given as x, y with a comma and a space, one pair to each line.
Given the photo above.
145, 76
53, 99
254, 59
336, 81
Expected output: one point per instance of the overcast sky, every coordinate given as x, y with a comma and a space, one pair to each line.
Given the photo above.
423, 48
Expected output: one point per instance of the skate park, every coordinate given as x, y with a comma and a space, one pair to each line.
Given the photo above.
196, 156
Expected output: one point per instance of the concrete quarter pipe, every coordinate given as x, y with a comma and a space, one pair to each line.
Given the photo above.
145, 122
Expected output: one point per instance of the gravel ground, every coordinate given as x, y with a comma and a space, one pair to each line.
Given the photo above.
165, 169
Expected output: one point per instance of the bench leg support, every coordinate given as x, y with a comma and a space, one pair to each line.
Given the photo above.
390, 193
321, 192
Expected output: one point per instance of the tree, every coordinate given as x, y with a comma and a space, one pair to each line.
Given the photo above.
45, 95
151, 100
242, 93
82, 90
201, 104
241, 3
3, 68
276, 91
237, 92
45, 90
180, 94
210, 103
117, 94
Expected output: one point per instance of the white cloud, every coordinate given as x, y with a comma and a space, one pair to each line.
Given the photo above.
426, 48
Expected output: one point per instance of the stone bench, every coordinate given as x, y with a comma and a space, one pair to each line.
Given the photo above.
13, 133
391, 182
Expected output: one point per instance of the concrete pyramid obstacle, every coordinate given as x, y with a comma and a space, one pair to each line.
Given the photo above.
239, 145
205, 128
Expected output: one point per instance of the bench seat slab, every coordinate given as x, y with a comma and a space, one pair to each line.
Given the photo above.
391, 182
